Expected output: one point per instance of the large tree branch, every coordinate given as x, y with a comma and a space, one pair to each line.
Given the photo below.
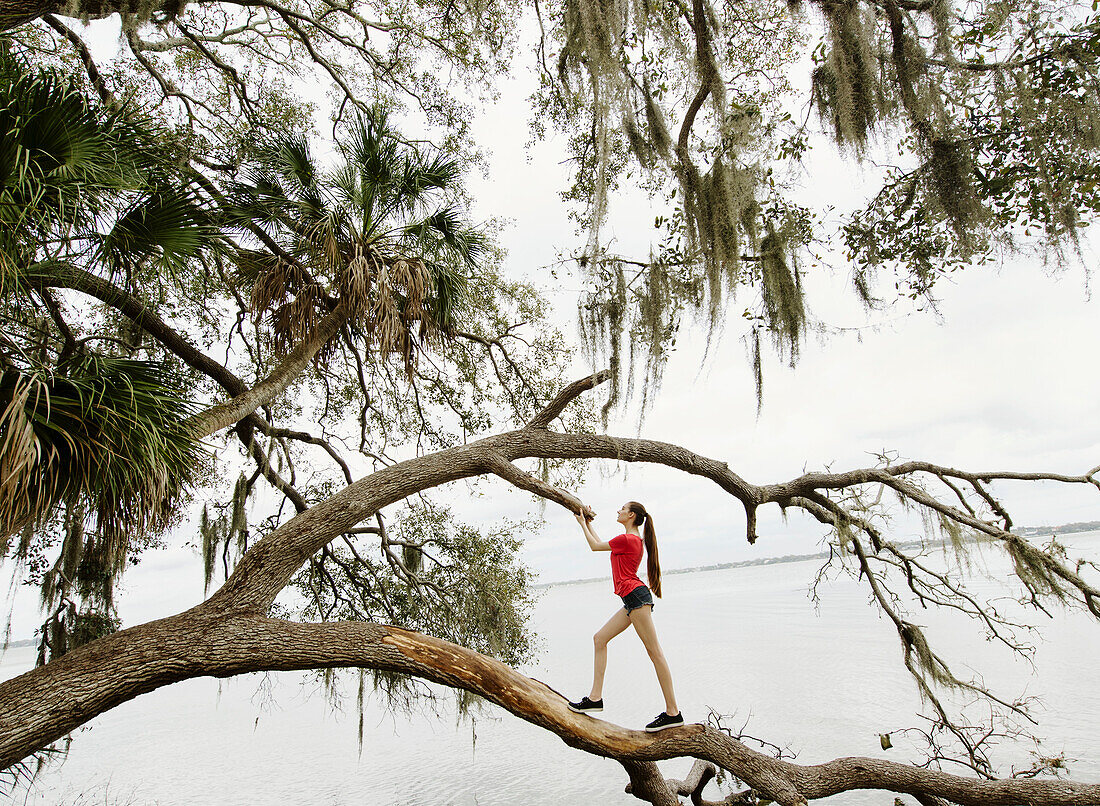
228, 634
202, 642
708, 77
525, 481
85, 55
64, 275
574, 390
268, 566
266, 569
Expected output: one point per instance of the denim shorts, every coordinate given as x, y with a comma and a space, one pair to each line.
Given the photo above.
639, 597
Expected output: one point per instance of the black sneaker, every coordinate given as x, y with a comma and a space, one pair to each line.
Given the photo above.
663, 721
587, 706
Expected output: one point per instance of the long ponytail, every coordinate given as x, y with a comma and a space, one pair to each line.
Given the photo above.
649, 537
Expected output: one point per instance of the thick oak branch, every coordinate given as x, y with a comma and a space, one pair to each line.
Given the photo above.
269, 565
574, 390
227, 635
55, 698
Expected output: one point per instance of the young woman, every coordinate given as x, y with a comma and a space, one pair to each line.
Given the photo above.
637, 611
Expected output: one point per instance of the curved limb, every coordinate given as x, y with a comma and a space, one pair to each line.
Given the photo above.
213, 638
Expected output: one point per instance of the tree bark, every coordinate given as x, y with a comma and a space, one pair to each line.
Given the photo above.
14, 13
229, 634
43, 705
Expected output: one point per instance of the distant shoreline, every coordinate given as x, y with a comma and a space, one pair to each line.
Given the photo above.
1023, 531
1064, 529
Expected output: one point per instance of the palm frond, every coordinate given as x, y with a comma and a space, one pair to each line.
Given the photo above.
372, 151
289, 157
80, 179
58, 162
445, 235
400, 266
166, 228
450, 294
420, 177
109, 432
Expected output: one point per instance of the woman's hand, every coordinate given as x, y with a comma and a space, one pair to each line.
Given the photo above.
584, 518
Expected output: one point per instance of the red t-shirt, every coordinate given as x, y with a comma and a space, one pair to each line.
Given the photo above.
626, 555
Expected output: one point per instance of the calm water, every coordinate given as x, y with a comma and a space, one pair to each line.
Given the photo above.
745, 642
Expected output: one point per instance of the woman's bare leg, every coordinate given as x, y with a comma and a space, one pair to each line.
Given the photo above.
642, 619
615, 625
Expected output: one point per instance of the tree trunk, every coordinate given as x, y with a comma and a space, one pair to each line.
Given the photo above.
229, 634
285, 373
45, 704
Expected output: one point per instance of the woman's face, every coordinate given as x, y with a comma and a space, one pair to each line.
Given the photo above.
626, 516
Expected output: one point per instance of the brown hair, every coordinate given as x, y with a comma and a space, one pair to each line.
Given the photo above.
649, 537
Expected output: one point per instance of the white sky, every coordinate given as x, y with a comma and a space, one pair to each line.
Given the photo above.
1005, 379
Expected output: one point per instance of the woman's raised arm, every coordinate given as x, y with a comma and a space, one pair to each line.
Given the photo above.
594, 542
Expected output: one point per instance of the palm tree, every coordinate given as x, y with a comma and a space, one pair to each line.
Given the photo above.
91, 445
99, 434
86, 186
381, 234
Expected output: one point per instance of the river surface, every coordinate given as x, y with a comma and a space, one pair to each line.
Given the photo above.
743, 642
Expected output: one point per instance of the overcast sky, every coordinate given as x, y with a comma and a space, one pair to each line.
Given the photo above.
1004, 379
